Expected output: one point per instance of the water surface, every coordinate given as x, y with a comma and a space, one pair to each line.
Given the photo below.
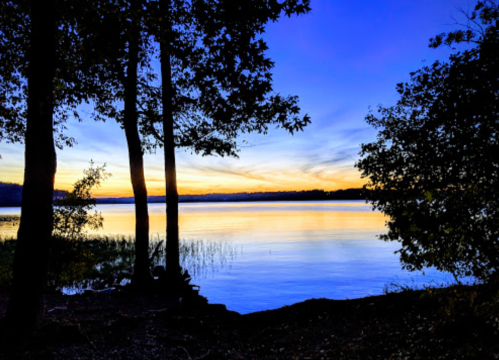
286, 252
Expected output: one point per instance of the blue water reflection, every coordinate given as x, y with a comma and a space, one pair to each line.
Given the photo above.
286, 251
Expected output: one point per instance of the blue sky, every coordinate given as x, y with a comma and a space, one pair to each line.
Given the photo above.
340, 59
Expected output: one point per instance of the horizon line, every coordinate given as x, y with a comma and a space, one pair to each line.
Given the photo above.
232, 193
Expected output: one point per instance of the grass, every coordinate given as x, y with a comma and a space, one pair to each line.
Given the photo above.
103, 261
397, 287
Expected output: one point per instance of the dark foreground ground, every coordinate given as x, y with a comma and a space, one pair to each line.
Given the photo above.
454, 323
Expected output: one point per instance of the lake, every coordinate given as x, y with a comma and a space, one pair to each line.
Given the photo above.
271, 254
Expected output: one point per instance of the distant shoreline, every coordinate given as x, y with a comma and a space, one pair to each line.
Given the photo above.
349, 194
11, 195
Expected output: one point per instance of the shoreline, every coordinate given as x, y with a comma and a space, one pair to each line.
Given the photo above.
10, 196
422, 324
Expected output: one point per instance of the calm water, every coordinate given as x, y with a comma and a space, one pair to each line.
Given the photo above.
281, 252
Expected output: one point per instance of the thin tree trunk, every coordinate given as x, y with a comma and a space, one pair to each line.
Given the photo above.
32, 252
172, 234
141, 275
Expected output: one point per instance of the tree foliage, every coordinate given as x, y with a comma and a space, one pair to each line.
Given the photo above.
474, 27
73, 213
13, 38
434, 169
82, 42
221, 75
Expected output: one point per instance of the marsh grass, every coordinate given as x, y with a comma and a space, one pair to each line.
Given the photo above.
204, 258
9, 219
96, 261
395, 287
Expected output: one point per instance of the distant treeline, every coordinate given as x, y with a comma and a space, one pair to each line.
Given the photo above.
348, 194
11, 194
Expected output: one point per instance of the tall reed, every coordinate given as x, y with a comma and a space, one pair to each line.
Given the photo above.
99, 261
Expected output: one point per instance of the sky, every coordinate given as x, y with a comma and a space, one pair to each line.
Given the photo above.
341, 59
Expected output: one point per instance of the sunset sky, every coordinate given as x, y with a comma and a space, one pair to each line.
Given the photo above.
342, 58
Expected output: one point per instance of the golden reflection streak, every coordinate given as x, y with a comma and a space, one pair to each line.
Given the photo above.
212, 220
201, 224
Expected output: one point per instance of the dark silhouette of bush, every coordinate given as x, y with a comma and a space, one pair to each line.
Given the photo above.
434, 167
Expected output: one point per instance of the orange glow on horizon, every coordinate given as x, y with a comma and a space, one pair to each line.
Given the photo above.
200, 182
156, 190
121, 187
206, 184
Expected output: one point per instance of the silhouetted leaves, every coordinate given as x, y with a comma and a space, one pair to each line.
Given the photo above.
81, 38
434, 167
221, 76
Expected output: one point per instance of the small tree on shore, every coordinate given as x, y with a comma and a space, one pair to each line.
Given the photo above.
72, 214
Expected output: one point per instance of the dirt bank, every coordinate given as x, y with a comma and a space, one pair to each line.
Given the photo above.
455, 323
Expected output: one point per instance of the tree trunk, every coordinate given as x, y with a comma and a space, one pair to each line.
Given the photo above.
141, 275
172, 234
32, 252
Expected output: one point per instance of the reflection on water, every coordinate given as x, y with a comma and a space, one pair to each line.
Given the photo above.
293, 251
224, 219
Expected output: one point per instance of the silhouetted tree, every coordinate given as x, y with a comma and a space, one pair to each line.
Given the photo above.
122, 25
135, 153
434, 167
216, 84
33, 245
45, 74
